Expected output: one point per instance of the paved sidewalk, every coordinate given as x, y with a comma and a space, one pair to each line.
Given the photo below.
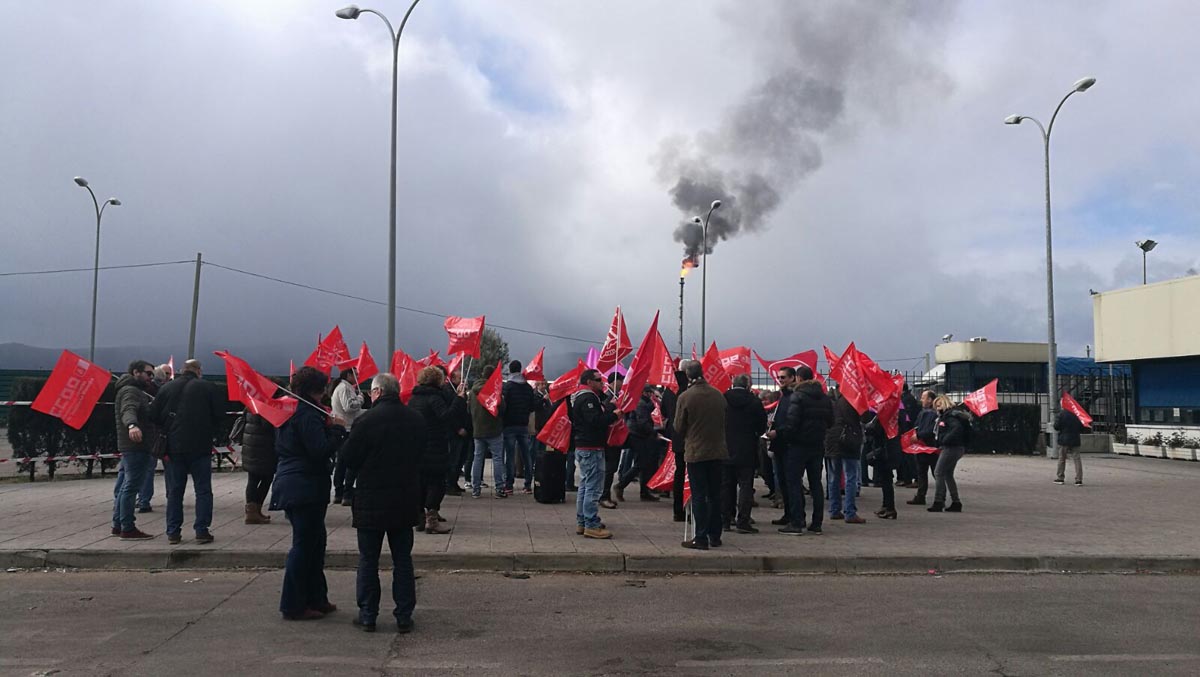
1132, 514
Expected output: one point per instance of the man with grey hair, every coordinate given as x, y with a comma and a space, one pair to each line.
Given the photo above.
384, 451
700, 420
745, 422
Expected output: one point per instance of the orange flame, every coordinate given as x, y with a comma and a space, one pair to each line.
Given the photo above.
687, 265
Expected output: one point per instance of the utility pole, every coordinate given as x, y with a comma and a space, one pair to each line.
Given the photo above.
191, 353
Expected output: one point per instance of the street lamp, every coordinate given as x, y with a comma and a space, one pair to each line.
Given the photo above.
1146, 246
82, 183
1051, 380
353, 12
716, 204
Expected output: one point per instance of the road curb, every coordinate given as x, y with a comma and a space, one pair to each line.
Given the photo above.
690, 563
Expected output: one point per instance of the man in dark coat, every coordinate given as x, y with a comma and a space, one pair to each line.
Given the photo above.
643, 441
458, 434
430, 401
1069, 428
191, 410
778, 444
808, 417
745, 422
135, 435
385, 449
520, 401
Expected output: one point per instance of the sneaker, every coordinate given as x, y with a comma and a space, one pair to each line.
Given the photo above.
695, 545
135, 534
500, 494
781, 522
365, 627
1079, 483
205, 537
815, 531
837, 516
856, 520
174, 539
474, 493
405, 626
598, 532
1059, 482
745, 529
792, 531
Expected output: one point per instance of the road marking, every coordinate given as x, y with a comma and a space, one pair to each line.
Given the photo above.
776, 662
1126, 657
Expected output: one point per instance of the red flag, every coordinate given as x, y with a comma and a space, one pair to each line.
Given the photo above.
662, 371
557, 431
72, 390
256, 391
881, 389
736, 361
533, 371
983, 401
432, 359
618, 432
291, 369
694, 356
639, 371
567, 383
466, 335
910, 445
489, 395
170, 367
807, 358
329, 352
714, 372
656, 415
405, 369
616, 344
364, 366
455, 363
664, 477
771, 406
851, 381
1072, 406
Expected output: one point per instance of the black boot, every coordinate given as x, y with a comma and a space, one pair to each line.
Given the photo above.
917, 500
938, 506
954, 507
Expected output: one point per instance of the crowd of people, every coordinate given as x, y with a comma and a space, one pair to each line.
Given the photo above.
392, 463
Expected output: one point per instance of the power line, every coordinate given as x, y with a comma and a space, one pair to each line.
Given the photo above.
88, 270
419, 311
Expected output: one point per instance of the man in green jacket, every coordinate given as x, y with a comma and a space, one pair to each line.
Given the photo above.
700, 421
489, 436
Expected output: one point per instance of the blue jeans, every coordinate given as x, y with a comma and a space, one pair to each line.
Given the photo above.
482, 446
147, 491
304, 585
835, 468
176, 472
591, 478
130, 478
404, 585
516, 440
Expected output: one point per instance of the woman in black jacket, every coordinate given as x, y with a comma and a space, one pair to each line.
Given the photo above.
430, 400
258, 460
953, 432
885, 455
306, 444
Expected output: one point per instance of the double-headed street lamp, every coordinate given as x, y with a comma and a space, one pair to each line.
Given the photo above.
353, 12
82, 182
1146, 246
716, 204
1052, 380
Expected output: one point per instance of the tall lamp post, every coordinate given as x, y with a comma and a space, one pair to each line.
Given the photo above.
1146, 246
82, 183
716, 204
353, 12
1051, 376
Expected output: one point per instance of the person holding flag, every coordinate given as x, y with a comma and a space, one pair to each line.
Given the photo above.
488, 428
306, 444
700, 415
953, 433
1069, 429
926, 428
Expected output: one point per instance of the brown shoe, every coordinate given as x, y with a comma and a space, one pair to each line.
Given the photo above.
433, 525
254, 514
856, 520
605, 503
618, 492
598, 532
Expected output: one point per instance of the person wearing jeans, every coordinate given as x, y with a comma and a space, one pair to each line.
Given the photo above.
176, 473
843, 440
520, 402
516, 441
590, 418
134, 465
488, 429
842, 503
495, 445
135, 436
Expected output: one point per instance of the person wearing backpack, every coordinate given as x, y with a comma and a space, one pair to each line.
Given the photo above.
953, 434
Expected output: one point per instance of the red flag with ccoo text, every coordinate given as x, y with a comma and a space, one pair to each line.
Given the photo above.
736, 361
533, 372
983, 401
714, 371
72, 390
557, 431
466, 335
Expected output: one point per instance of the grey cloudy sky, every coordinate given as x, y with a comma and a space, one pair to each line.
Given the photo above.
880, 197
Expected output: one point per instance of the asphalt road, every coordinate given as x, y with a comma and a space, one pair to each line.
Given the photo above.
206, 622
